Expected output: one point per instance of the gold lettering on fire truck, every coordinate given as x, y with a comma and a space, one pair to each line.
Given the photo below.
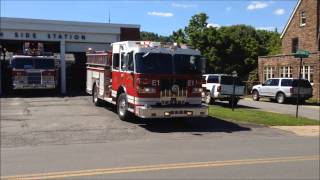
191, 83
155, 82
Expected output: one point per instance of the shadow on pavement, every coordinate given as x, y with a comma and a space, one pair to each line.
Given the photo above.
196, 125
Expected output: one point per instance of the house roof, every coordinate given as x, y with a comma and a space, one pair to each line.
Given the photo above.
290, 19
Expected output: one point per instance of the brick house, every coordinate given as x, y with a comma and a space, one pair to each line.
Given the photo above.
301, 32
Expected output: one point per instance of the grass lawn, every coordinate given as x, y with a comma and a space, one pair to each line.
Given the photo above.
258, 117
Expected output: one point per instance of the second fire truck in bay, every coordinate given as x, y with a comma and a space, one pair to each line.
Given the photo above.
34, 69
147, 79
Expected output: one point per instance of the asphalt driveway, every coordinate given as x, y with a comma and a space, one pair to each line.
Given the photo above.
308, 111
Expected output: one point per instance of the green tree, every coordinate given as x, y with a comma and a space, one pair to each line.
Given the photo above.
150, 36
270, 42
228, 48
196, 31
179, 36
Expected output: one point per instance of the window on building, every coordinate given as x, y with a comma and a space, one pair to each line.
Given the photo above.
307, 73
295, 45
303, 18
285, 72
269, 72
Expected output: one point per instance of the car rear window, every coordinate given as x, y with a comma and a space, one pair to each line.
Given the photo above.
303, 83
228, 80
213, 79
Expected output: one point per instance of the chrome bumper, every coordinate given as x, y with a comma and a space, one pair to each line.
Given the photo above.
171, 112
304, 96
34, 86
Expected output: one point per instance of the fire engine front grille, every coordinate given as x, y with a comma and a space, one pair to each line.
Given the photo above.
173, 92
34, 78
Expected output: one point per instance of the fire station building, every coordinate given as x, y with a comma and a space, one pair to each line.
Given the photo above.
67, 39
302, 31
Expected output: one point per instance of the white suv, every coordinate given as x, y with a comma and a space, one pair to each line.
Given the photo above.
282, 89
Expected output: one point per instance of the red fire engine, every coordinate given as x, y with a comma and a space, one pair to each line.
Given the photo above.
148, 79
33, 70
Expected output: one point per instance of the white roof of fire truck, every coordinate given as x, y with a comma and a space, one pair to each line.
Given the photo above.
152, 47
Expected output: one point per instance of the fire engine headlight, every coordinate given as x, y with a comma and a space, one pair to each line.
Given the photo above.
47, 78
197, 90
20, 78
147, 90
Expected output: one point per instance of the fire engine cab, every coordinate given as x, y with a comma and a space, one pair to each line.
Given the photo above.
147, 79
33, 70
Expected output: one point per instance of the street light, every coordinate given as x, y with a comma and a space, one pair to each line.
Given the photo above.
300, 54
234, 75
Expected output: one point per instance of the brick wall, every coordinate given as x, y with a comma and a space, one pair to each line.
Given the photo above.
308, 34
289, 60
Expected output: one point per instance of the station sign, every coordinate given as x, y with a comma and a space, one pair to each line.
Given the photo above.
23, 35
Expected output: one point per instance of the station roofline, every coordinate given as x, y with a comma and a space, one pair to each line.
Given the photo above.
67, 22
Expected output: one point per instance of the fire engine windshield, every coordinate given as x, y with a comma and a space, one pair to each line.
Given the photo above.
187, 64
32, 63
155, 63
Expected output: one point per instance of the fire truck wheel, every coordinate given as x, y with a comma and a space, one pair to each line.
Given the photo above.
122, 107
95, 99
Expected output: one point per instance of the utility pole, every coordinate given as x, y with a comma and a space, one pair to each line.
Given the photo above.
298, 95
234, 75
300, 54
109, 19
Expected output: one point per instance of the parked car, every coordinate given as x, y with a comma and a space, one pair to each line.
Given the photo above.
220, 86
282, 89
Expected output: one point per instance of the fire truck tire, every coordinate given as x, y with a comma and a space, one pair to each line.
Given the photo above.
95, 99
122, 107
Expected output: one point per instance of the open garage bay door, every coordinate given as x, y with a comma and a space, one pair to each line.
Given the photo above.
82, 47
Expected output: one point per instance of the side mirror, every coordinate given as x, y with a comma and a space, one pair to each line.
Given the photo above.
263, 84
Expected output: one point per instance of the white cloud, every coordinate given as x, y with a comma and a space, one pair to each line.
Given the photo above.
228, 8
162, 14
257, 5
279, 12
267, 28
213, 25
183, 5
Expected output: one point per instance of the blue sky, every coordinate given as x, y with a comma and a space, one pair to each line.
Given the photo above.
162, 17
